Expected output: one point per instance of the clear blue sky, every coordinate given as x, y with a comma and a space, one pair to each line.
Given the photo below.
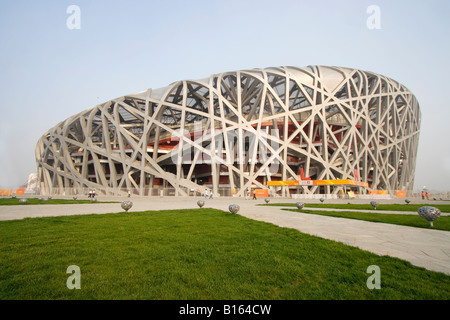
49, 72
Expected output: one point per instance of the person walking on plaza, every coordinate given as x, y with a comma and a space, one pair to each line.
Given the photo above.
423, 195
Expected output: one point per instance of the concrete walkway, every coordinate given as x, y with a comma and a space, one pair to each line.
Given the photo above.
422, 247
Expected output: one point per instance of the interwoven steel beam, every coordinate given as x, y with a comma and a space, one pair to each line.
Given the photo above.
238, 130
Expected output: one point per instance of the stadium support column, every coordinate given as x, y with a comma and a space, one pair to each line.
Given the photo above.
284, 160
308, 148
215, 167
179, 164
144, 143
240, 138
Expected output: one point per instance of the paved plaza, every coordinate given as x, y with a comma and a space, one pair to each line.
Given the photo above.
422, 247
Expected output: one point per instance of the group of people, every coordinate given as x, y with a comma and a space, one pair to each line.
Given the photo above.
206, 194
249, 193
425, 194
91, 194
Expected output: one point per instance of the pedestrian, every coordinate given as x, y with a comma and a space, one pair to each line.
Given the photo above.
427, 195
206, 193
210, 195
129, 193
423, 195
254, 195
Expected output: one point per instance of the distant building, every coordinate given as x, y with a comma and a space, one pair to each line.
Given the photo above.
238, 130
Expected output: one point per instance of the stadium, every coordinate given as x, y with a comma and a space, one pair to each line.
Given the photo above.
281, 131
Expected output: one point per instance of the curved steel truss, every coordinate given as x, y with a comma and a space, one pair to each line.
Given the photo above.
237, 130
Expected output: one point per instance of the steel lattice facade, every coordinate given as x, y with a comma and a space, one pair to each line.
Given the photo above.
237, 130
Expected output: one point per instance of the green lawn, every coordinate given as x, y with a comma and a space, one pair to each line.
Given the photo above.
368, 206
194, 254
442, 223
411, 220
34, 201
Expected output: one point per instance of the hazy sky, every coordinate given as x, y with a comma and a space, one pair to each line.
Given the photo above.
49, 72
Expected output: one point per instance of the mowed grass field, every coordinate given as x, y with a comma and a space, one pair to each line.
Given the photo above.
44, 201
368, 206
194, 254
411, 220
